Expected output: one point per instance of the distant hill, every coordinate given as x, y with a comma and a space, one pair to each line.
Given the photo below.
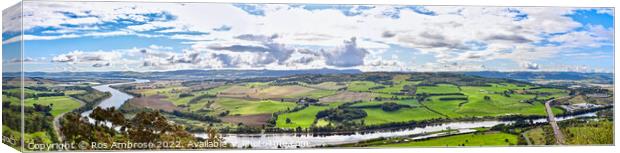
186, 74
607, 78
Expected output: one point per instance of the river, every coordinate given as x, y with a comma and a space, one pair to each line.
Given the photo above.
117, 98
304, 140
287, 140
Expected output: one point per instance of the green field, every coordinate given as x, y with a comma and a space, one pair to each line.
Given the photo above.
399, 82
322, 123
410, 102
368, 104
10, 99
362, 86
242, 100
249, 107
438, 89
27, 92
199, 104
74, 92
168, 91
303, 118
477, 105
475, 139
176, 100
550, 92
218, 89
60, 104
498, 104
446, 107
172, 94
389, 96
378, 116
494, 87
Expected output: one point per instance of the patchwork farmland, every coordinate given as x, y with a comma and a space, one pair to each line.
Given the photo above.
343, 103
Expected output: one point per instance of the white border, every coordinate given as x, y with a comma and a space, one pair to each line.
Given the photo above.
559, 3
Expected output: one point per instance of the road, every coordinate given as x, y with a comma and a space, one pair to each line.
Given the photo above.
559, 137
524, 134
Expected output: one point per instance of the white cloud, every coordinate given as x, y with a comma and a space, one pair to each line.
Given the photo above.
96, 58
608, 11
348, 55
530, 66
593, 36
315, 38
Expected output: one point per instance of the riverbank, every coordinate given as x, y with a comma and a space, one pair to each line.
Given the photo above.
307, 140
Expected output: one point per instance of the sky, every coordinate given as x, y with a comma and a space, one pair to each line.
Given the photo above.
131, 36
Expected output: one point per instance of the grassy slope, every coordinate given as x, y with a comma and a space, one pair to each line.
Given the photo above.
499, 104
556, 93
399, 82
446, 107
172, 94
248, 107
61, 104
378, 116
218, 89
11, 99
303, 118
440, 88
361, 86
410, 102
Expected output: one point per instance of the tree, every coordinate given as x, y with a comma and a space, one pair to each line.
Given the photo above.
117, 119
147, 126
144, 127
288, 121
75, 128
98, 115
298, 129
487, 98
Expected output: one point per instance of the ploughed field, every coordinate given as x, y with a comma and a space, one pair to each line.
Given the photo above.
302, 102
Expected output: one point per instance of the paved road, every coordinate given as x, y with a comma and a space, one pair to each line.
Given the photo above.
559, 137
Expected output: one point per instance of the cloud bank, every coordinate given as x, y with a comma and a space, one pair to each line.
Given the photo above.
278, 36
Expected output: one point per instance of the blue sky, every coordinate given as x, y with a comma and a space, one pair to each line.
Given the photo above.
121, 36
